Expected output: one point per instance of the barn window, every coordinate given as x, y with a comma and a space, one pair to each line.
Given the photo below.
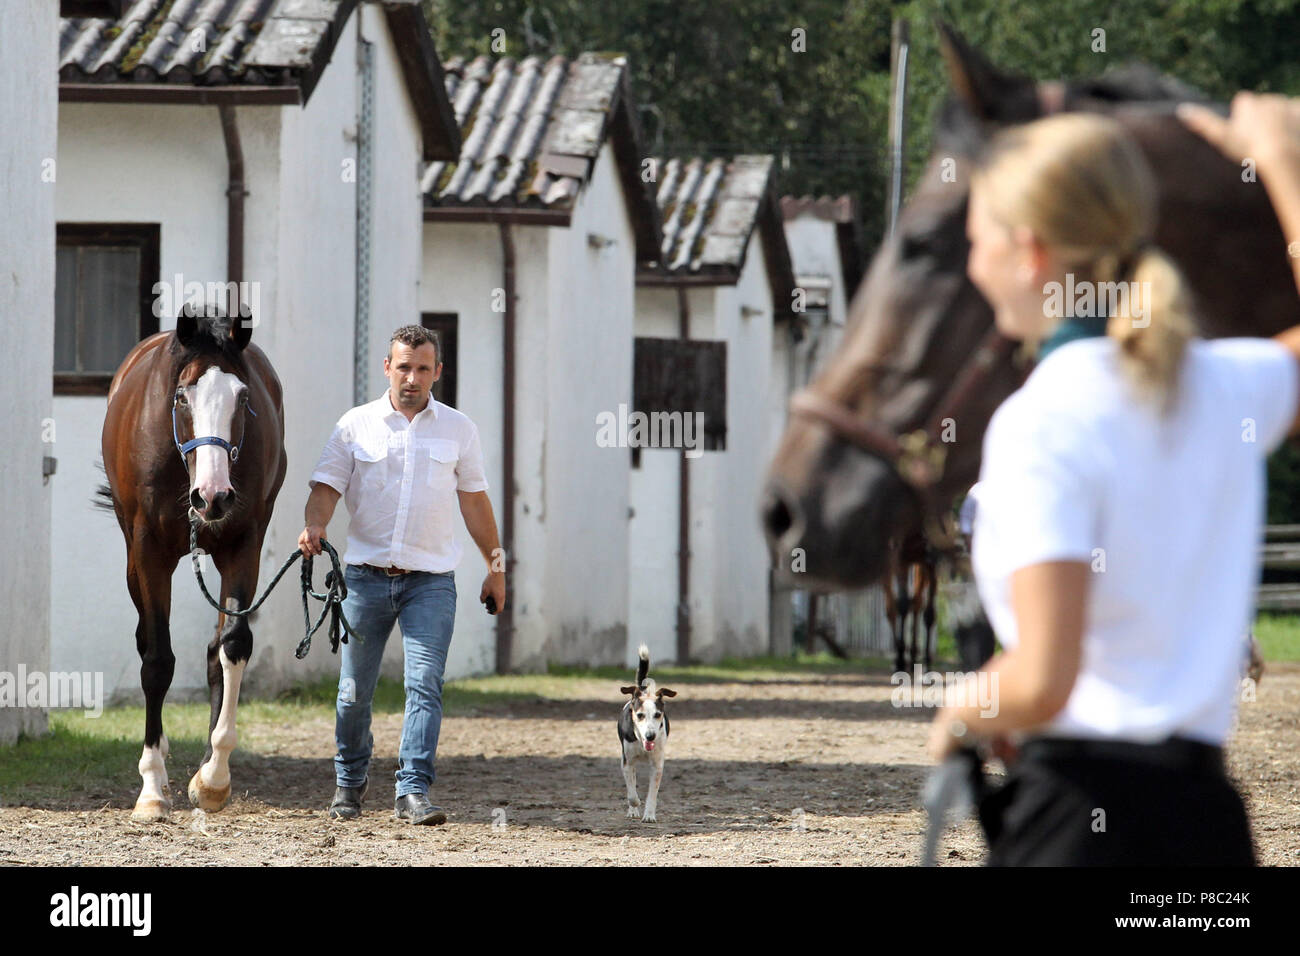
686, 376
103, 301
444, 323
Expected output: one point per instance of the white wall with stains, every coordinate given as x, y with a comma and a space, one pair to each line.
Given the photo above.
28, 103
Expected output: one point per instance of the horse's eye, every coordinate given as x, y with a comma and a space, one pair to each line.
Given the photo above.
915, 246
180, 397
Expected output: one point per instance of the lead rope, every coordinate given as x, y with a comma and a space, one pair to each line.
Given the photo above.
336, 591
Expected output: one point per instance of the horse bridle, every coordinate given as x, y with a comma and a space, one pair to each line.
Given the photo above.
917, 457
189, 446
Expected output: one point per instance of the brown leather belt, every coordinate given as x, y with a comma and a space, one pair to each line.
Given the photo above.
391, 572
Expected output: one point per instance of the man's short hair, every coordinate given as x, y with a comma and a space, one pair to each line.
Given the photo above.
415, 336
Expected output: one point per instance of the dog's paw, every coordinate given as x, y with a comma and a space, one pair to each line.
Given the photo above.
648, 816
633, 810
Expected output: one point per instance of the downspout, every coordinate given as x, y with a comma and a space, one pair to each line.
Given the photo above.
365, 156
506, 618
683, 516
235, 194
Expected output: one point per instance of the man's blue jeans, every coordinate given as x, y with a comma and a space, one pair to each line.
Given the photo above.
425, 606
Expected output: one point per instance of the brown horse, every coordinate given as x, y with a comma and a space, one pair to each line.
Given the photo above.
195, 425
909, 588
836, 488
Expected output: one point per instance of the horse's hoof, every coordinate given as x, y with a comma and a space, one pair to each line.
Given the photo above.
208, 798
151, 810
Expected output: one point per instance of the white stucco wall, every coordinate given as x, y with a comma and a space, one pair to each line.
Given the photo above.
461, 271
653, 530
739, 578
28, 108
589, 372
728, 558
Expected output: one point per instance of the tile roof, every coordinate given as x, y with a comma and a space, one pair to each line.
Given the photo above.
711, 209
830, 208
191, 50
532, 130
206, 42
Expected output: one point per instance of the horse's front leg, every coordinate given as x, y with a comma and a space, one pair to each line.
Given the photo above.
228, 655
150, 584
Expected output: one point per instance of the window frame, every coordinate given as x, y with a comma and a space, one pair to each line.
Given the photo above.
147, 237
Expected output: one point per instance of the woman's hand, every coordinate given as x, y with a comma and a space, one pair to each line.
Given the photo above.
943, 742
1259, 125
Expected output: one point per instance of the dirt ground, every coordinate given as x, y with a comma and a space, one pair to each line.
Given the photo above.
789, 769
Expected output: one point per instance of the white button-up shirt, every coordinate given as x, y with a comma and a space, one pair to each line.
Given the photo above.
399, 480
1167, 514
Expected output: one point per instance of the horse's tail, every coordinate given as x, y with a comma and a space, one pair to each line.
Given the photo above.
103, 496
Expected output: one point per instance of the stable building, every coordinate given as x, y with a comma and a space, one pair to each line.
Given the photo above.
708, 311
532, 236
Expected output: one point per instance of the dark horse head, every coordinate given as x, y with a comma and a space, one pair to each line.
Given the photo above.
198, 415
832, 505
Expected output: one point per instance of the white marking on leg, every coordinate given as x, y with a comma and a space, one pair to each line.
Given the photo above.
215, 774
652, 791
629, 776
153, 803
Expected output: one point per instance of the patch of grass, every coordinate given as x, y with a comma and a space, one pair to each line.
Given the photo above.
749, 668
1278, 636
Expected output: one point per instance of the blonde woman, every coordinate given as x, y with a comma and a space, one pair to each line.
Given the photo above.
1121, 498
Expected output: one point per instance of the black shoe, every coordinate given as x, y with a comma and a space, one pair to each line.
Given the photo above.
416, 808
347, 801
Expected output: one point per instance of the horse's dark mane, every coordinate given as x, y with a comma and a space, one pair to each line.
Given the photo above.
957, 130
211, 337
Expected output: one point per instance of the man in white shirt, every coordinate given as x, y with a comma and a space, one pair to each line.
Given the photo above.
400, 463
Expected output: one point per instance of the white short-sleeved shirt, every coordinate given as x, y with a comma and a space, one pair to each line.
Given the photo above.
1169, 514
399, 480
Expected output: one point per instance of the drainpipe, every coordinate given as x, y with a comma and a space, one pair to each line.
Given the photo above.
506, 618
683, 517
235, 194
365, 155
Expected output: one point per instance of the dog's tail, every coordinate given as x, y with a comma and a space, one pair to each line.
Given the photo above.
643, 666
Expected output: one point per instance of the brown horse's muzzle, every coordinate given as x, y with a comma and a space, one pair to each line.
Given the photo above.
828, 525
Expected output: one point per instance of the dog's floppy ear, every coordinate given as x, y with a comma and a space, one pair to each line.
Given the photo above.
630, 689
665, 692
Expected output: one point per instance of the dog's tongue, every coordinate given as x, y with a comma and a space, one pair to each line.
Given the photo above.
649, 745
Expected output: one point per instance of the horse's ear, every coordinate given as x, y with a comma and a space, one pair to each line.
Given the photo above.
987, 92
241, 330
187, 324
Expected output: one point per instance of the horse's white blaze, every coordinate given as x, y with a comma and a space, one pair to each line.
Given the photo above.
153, 771
212, 409
216, 772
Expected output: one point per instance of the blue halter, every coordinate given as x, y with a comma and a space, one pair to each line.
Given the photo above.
189, 446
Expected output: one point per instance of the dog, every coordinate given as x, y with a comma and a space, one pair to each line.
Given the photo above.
643, 735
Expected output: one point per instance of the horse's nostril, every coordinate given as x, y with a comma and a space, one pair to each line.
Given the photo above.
196, 500
777, 517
